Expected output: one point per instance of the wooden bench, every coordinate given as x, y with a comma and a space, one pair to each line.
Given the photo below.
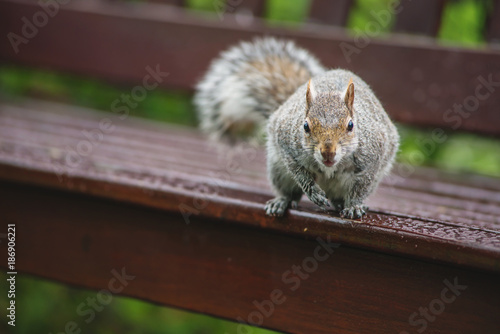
186, 218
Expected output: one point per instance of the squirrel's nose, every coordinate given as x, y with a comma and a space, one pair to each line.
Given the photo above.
328, 155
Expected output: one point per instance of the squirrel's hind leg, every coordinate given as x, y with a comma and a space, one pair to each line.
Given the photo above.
287, 190
337, 204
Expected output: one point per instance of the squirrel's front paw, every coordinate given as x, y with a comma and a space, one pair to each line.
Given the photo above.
353, 212
319, 198
277, 206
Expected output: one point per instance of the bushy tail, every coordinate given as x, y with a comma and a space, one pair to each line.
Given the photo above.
249, 81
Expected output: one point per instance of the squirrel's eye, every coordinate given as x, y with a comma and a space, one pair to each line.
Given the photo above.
350, 125
306, 127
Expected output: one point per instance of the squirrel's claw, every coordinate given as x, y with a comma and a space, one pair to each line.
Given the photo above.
353, 212
277, 206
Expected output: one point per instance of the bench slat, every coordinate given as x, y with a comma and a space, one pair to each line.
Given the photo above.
441, 221
223, 269
493, 26
427, 197
330, 12
419, 17
160, 151
179, 3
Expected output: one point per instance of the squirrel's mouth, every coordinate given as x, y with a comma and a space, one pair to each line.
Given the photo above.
328, 163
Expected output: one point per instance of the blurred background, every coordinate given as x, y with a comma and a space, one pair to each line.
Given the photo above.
45, 307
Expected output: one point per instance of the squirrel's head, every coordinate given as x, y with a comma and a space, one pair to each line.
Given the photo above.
330, 124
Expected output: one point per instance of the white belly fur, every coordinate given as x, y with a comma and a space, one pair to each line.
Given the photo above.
336, 185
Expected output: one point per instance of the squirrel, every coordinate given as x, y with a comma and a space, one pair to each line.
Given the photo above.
328, 135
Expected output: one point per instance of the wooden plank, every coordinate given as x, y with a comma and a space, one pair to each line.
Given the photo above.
419, 82
421, 17
493, 23
179, 3
224, 269
419, 197
330, 12
157, 149
159, 166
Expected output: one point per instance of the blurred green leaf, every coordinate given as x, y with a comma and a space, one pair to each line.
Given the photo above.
287, 12
362, 13
463, 21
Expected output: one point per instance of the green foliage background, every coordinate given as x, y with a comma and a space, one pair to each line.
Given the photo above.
45, 307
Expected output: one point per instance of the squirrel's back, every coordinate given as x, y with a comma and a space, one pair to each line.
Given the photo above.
248, 82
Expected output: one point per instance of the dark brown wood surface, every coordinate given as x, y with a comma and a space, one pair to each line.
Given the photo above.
416, 212
493, 23
221, 268
419, 17
121, 205
330, 12
418, 81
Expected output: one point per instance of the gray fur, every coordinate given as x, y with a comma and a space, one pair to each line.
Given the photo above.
367, 155
234, 81
297, 160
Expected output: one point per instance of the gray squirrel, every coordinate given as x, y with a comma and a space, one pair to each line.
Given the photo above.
328, 136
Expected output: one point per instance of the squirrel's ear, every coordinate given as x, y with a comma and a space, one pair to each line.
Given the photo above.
311, 94
349, 96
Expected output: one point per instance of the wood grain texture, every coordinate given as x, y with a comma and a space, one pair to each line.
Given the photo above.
418, 81
443, 218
